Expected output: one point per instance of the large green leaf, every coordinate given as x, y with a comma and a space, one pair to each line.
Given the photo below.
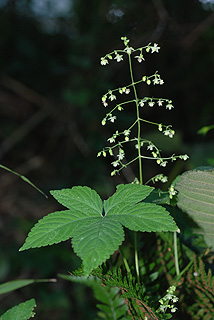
23, 311
96, 228
196, 198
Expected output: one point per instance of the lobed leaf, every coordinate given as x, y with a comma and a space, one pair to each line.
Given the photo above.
96, 229
146, 217
95, 242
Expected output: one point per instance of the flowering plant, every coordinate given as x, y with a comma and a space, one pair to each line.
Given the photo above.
120, 139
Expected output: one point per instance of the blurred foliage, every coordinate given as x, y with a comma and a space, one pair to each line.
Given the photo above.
51, 83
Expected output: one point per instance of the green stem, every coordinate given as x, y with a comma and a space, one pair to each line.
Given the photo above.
138, 121
182, 272
176, 254
24, 179
136, 258
125, 261
139, 159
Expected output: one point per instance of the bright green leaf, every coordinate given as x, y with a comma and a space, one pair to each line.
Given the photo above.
23, 311
146, 217
96, 229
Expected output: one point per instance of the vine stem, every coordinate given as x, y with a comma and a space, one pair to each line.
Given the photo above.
139, 159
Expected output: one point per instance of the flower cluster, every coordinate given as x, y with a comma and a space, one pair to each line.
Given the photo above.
159, 177
172, 192
168, 301
116, 54
159, 101
118, 139
155, 79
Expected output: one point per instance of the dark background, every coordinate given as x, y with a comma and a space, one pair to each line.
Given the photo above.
51, 84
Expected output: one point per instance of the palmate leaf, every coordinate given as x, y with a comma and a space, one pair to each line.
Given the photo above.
96, 228
196, 198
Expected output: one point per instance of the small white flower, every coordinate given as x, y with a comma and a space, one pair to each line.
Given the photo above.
141, 103
155, 48
150, 147
105, 103
126, 132
161, 82
112, 118
162, 308
129, 50
112, 97
115, 163
169, 106
184, 157
164, 179
127, 91
121, 154
154, 154
113, 173
111, 140
103, 122
160, 128
171, 134
163, 164
160, 102
156, 81
140, 58
119, 57
166, 132
168, 296
151, 103
148, 82
104, 61
174, 309
172, 192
